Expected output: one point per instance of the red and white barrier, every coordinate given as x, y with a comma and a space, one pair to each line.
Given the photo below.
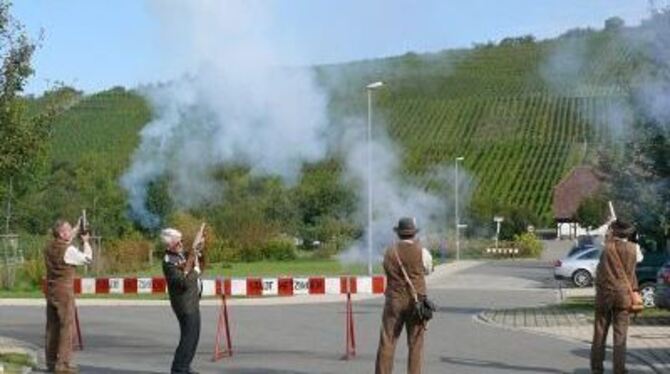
241, 287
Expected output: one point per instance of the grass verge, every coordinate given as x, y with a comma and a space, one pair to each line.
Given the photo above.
586, 305
14, 362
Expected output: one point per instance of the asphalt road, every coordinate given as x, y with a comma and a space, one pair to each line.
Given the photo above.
310, 338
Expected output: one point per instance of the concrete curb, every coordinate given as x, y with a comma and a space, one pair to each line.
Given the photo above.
482, 319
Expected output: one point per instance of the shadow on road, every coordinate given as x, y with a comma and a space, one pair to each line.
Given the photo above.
378, 308
459, 310
302, 354
263, 371
485, 364
636, 356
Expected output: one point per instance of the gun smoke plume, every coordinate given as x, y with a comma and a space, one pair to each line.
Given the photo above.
240, 106
394, 196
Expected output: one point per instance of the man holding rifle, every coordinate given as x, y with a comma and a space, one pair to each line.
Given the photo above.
405, 269
182, 273
616, 293
61, 259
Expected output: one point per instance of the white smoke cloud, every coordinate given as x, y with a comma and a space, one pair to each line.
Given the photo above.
392, 195
238, 106
563, 68
570, 70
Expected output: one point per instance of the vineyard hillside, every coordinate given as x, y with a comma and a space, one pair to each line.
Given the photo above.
517, 116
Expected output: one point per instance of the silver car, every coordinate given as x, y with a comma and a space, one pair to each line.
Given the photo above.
579, 267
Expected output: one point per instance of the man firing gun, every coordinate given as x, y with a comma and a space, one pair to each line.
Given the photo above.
62, 257
182, 273
604, 230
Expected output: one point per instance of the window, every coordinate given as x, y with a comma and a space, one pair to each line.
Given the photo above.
590, 255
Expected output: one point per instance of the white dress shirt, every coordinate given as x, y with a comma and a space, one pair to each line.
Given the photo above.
73, 256
427, 260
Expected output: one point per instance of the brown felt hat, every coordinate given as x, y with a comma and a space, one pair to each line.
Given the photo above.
406, 226
622, 229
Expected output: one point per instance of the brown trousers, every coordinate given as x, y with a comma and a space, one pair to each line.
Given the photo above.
606, 314
60, 316
398, 314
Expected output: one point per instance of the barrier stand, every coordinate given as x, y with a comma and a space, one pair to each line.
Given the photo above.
77, 342
221, 329
350, 347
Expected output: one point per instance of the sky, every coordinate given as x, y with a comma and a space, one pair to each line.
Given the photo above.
97, 44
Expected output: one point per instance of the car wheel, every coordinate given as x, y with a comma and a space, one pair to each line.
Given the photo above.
582, 278
647, 291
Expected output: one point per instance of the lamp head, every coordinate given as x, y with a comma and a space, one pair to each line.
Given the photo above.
375, 85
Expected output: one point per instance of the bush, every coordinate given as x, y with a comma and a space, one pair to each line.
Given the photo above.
279, 249
125, 255
7, 277
529, 245
249, 253
221, 251
34, 271
326, 251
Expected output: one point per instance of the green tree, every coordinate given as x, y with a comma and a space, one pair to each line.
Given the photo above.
24, 143
592, 212
638, 177
325, 205
614, 23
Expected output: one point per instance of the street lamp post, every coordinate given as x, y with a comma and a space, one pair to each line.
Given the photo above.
370, 87
498, 220
458, 219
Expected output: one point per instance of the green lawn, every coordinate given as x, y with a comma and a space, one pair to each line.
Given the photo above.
14, 362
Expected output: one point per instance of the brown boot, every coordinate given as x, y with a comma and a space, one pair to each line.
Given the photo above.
66, 369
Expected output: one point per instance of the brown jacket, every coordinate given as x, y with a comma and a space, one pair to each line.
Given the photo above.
60, 276
411, 256
610, 278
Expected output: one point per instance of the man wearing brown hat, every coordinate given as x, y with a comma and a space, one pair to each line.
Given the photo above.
615, 277
399, 306
61, 258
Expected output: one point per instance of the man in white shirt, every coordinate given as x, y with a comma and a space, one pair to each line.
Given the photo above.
61, 257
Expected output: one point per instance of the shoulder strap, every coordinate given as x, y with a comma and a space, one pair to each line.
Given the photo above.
404, 273
613, 248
